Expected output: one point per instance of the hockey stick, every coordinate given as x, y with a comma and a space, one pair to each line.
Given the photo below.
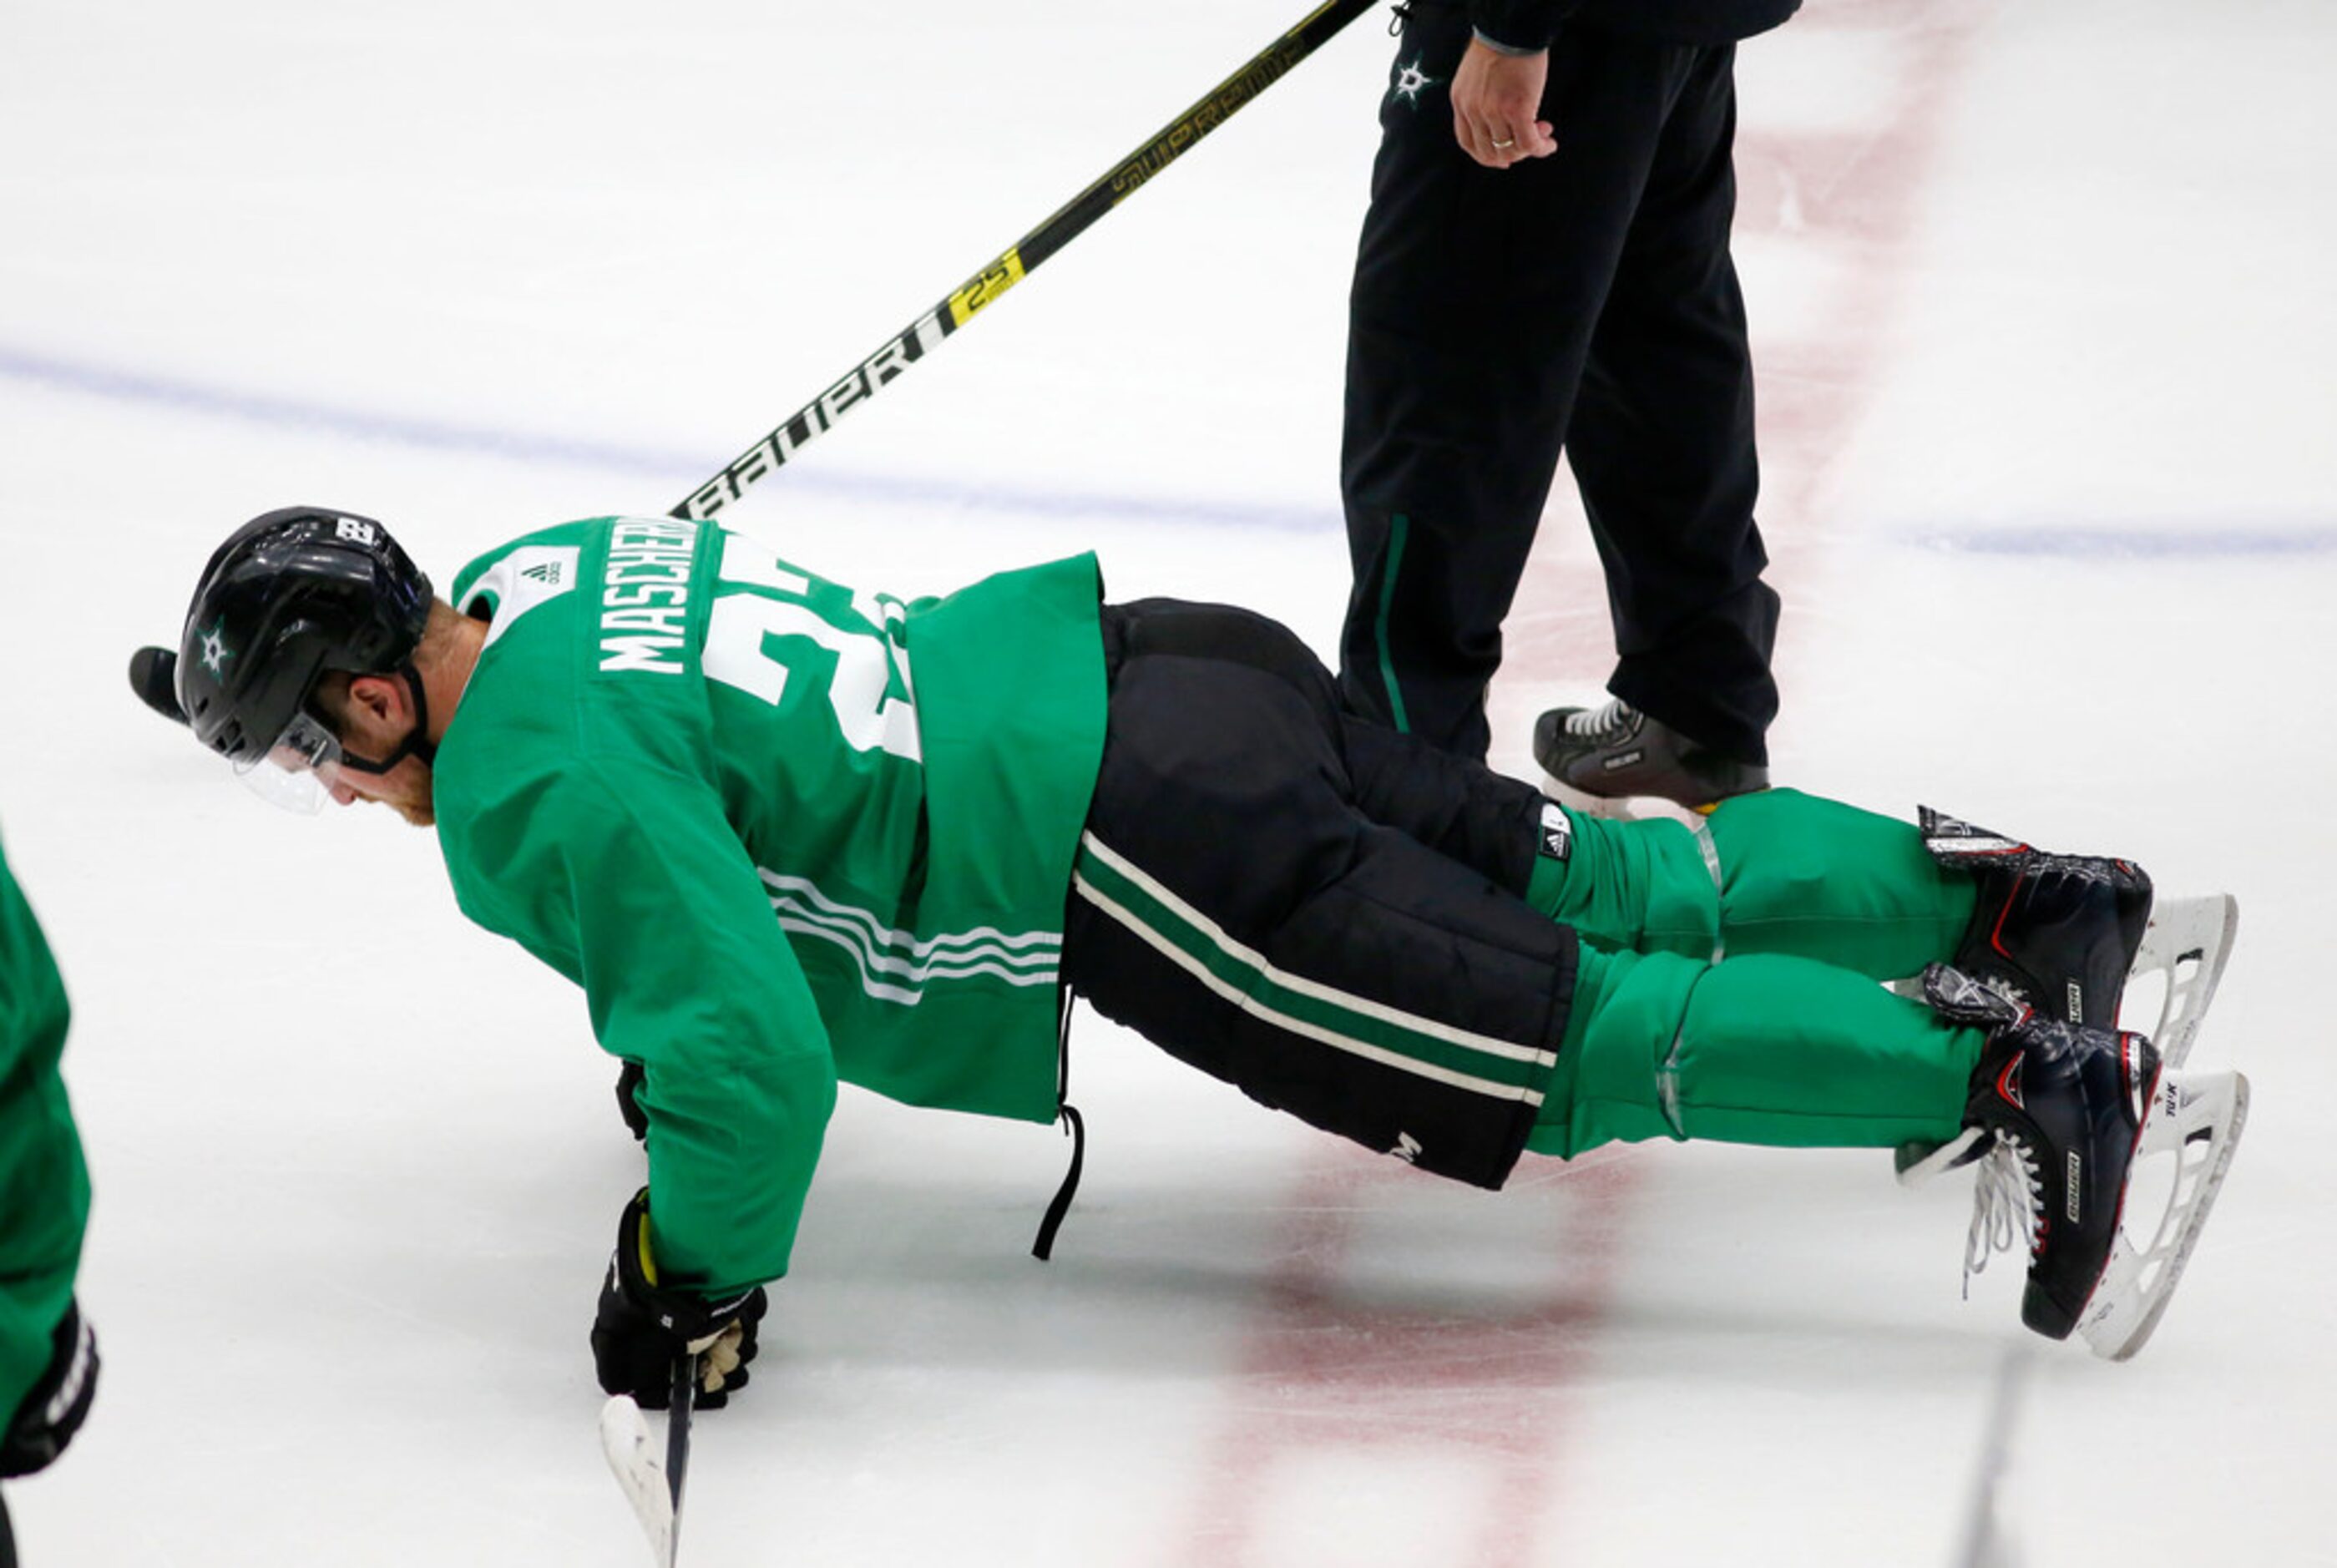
654, 1491
682, 1400
1022, 258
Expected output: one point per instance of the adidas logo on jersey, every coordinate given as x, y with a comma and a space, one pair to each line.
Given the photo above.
546, 573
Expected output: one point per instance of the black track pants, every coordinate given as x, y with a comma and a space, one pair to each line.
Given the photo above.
1586, 298
1310, 907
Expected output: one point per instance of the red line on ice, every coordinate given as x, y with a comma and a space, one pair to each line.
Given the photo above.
1320, 1370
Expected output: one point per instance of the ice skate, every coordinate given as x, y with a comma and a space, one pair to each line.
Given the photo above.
1618, 750
2056, 932
2059, 1117
2070, 935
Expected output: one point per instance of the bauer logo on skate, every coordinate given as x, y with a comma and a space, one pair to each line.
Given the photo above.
645, 596
2077, 1184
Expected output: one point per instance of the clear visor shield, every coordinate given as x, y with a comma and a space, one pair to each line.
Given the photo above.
298, 771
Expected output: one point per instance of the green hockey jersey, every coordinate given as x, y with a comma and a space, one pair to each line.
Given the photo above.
43, 1185
781, 832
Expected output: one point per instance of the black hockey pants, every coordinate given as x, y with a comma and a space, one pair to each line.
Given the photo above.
1586, 298
1311, 906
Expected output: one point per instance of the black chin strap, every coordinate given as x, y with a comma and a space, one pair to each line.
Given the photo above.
417, 741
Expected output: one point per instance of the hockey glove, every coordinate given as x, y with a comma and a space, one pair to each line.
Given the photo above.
637, 1120
57, 1404
642, 1327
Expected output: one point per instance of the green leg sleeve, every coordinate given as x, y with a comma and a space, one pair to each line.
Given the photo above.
1772, 1050
1633, 886
1819, 879
1775, 871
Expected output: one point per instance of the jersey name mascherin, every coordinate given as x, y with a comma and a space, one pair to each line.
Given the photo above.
645, 596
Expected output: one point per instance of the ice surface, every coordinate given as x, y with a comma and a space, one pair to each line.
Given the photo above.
2043, 319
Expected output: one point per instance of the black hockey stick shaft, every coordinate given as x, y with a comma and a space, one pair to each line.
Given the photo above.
682, 1400
1022, 258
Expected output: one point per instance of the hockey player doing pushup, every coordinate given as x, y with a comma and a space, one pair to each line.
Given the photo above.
783, 832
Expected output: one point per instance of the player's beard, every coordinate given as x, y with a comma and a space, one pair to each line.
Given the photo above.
421, 807
413, 796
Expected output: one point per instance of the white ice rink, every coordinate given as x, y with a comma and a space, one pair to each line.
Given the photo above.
2043, 314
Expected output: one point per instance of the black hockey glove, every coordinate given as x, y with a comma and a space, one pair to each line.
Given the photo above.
643, 1327
58, 1403
637, 1120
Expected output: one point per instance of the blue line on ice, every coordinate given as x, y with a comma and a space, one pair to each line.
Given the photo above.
681, 470
2185, 538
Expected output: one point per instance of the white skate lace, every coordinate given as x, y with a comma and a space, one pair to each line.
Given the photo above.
2007, 1197
1945, 1156
1594, 722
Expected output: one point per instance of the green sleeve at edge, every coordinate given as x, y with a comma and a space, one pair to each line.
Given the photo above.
44, 1184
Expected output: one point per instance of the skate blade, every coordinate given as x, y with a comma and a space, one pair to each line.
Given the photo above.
2185, 948
2196, 1120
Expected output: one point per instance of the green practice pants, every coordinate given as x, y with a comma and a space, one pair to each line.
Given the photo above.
1728, 980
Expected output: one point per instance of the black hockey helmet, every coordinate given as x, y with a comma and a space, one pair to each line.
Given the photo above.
291, 595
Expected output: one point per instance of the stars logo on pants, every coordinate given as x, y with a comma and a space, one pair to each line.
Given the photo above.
1411, 81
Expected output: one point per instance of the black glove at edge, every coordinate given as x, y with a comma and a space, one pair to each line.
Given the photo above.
55, 1406
641, 1327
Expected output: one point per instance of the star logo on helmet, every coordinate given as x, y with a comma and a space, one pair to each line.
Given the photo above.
1411, 81
215, 651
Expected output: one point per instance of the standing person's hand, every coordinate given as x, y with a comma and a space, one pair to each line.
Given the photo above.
1495, 100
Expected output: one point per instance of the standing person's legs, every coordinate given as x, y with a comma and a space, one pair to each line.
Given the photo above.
1475, 293
1661, 442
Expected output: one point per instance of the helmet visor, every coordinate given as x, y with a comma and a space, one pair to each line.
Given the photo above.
298, 772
